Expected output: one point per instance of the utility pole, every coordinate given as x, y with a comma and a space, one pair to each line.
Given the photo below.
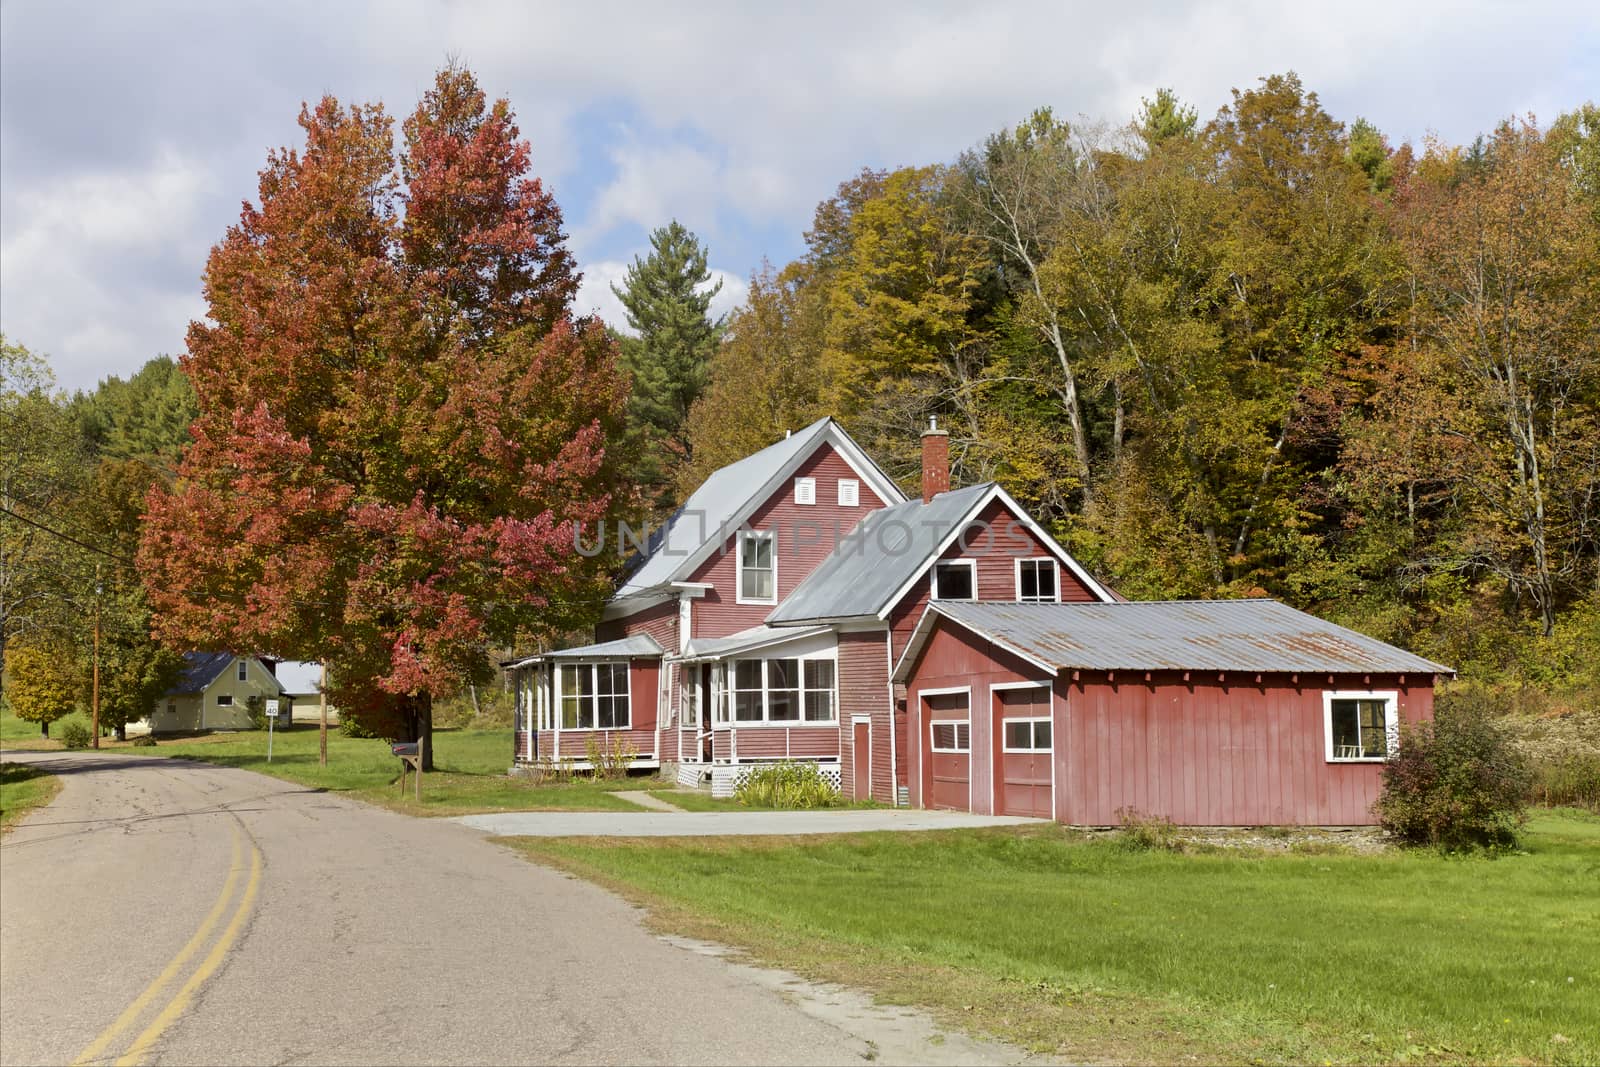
322, 691
95, 699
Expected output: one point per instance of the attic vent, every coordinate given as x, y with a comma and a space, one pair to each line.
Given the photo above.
805, 490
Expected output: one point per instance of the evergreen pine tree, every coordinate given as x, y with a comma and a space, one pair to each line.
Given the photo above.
668, 306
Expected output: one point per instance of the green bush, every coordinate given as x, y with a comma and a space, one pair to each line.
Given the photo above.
76, 735
1146, 833
350, 726
145, 741
1456, 783
788, 785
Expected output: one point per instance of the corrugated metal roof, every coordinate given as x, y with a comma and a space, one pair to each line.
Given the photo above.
713, 505
755, 637
878, 557
1207, 635
635, 645
200, 669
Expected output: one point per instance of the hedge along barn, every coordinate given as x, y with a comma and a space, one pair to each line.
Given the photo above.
1208, 713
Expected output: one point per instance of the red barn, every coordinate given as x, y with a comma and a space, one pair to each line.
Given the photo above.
800, 606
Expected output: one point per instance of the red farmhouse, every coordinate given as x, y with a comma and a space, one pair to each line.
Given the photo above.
948, 652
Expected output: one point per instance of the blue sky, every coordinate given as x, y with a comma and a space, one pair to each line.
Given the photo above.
130, 133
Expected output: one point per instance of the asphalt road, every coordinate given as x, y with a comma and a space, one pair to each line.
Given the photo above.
162, 911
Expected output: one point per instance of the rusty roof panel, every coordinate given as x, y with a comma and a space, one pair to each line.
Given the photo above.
1208, 635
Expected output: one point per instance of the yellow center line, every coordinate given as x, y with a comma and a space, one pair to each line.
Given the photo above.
98, 1047
213, 960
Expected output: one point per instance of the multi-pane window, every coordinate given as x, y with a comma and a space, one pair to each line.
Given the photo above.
593, 696
758, 570
1036, 581
782, 690
952, 736
1359, 726
805, 490
243, 672
849, 493
224, 700
955, 579
1027, 735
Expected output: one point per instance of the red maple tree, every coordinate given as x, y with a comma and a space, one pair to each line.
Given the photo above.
400, 420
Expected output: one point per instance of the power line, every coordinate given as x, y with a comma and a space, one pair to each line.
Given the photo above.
66, 537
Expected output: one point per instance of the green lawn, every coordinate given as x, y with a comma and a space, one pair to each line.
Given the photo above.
470, 776
23, 788
1076, 947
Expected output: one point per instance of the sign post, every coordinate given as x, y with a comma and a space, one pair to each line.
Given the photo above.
272, 718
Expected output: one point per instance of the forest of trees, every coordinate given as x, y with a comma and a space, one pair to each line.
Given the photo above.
1265, 354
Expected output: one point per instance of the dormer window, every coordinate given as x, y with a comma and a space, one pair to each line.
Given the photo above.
757, 567
849, 493
955, 579
805, 490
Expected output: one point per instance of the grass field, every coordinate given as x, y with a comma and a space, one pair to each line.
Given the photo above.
22, 789
470, 776
1076, 947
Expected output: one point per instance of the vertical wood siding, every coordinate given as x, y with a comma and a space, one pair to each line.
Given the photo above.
806, 535
864, 690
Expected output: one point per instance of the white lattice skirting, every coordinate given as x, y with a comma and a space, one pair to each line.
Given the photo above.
725, 777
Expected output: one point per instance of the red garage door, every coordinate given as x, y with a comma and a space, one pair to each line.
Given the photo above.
1023, 729
949, 741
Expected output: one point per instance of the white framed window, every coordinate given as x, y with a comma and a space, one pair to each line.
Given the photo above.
783, 690
172, 708
951, 735
805, 490
849, 493
593, 696
243, 673
224, 700
1360, 727
1038, 581
1025, 735
758, 567
955, 579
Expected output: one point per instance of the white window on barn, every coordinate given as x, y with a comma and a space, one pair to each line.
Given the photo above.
1026, 735
757, 567
1360, 727
952, 736
805, 490
783, 691
955, 579
593, 696
849, 493
242, 671
1038, 581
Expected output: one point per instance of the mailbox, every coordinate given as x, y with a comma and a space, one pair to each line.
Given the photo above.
406, 748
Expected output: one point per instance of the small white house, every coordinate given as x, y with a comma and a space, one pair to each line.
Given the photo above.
213, 693
302, 683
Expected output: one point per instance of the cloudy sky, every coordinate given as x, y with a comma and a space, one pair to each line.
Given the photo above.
130, 132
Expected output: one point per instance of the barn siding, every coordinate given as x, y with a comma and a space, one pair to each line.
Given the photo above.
718, 613
863, 675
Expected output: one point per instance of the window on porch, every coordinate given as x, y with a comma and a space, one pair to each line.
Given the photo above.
783, 691
593, 696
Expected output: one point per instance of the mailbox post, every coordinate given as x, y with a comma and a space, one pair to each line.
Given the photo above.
410, 753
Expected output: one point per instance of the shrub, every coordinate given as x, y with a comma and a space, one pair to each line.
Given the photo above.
609, 755
1455, 783
1146, 833
788, 785
350, 726
145, 741
75, 734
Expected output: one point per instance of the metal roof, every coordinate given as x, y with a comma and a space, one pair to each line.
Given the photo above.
298, 677
1259, 636
745, 640
631, 647
200, 669
878, 557
725, 499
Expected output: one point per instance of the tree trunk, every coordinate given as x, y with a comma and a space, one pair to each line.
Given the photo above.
477, 712
122, 731
44, 729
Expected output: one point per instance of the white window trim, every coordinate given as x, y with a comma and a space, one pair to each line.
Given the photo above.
1055, 565
855, 493
224, 700
627, 697
1029, 719
933, 743
243, 673
933, 579
1391, 722
738, 567
805, 491
766, 688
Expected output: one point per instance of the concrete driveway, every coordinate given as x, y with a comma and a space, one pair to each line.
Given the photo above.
727, 823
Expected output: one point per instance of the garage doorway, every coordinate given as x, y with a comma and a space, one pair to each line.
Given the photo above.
1024, 752
949, 741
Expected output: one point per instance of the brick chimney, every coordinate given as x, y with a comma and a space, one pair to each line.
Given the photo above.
935, 460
